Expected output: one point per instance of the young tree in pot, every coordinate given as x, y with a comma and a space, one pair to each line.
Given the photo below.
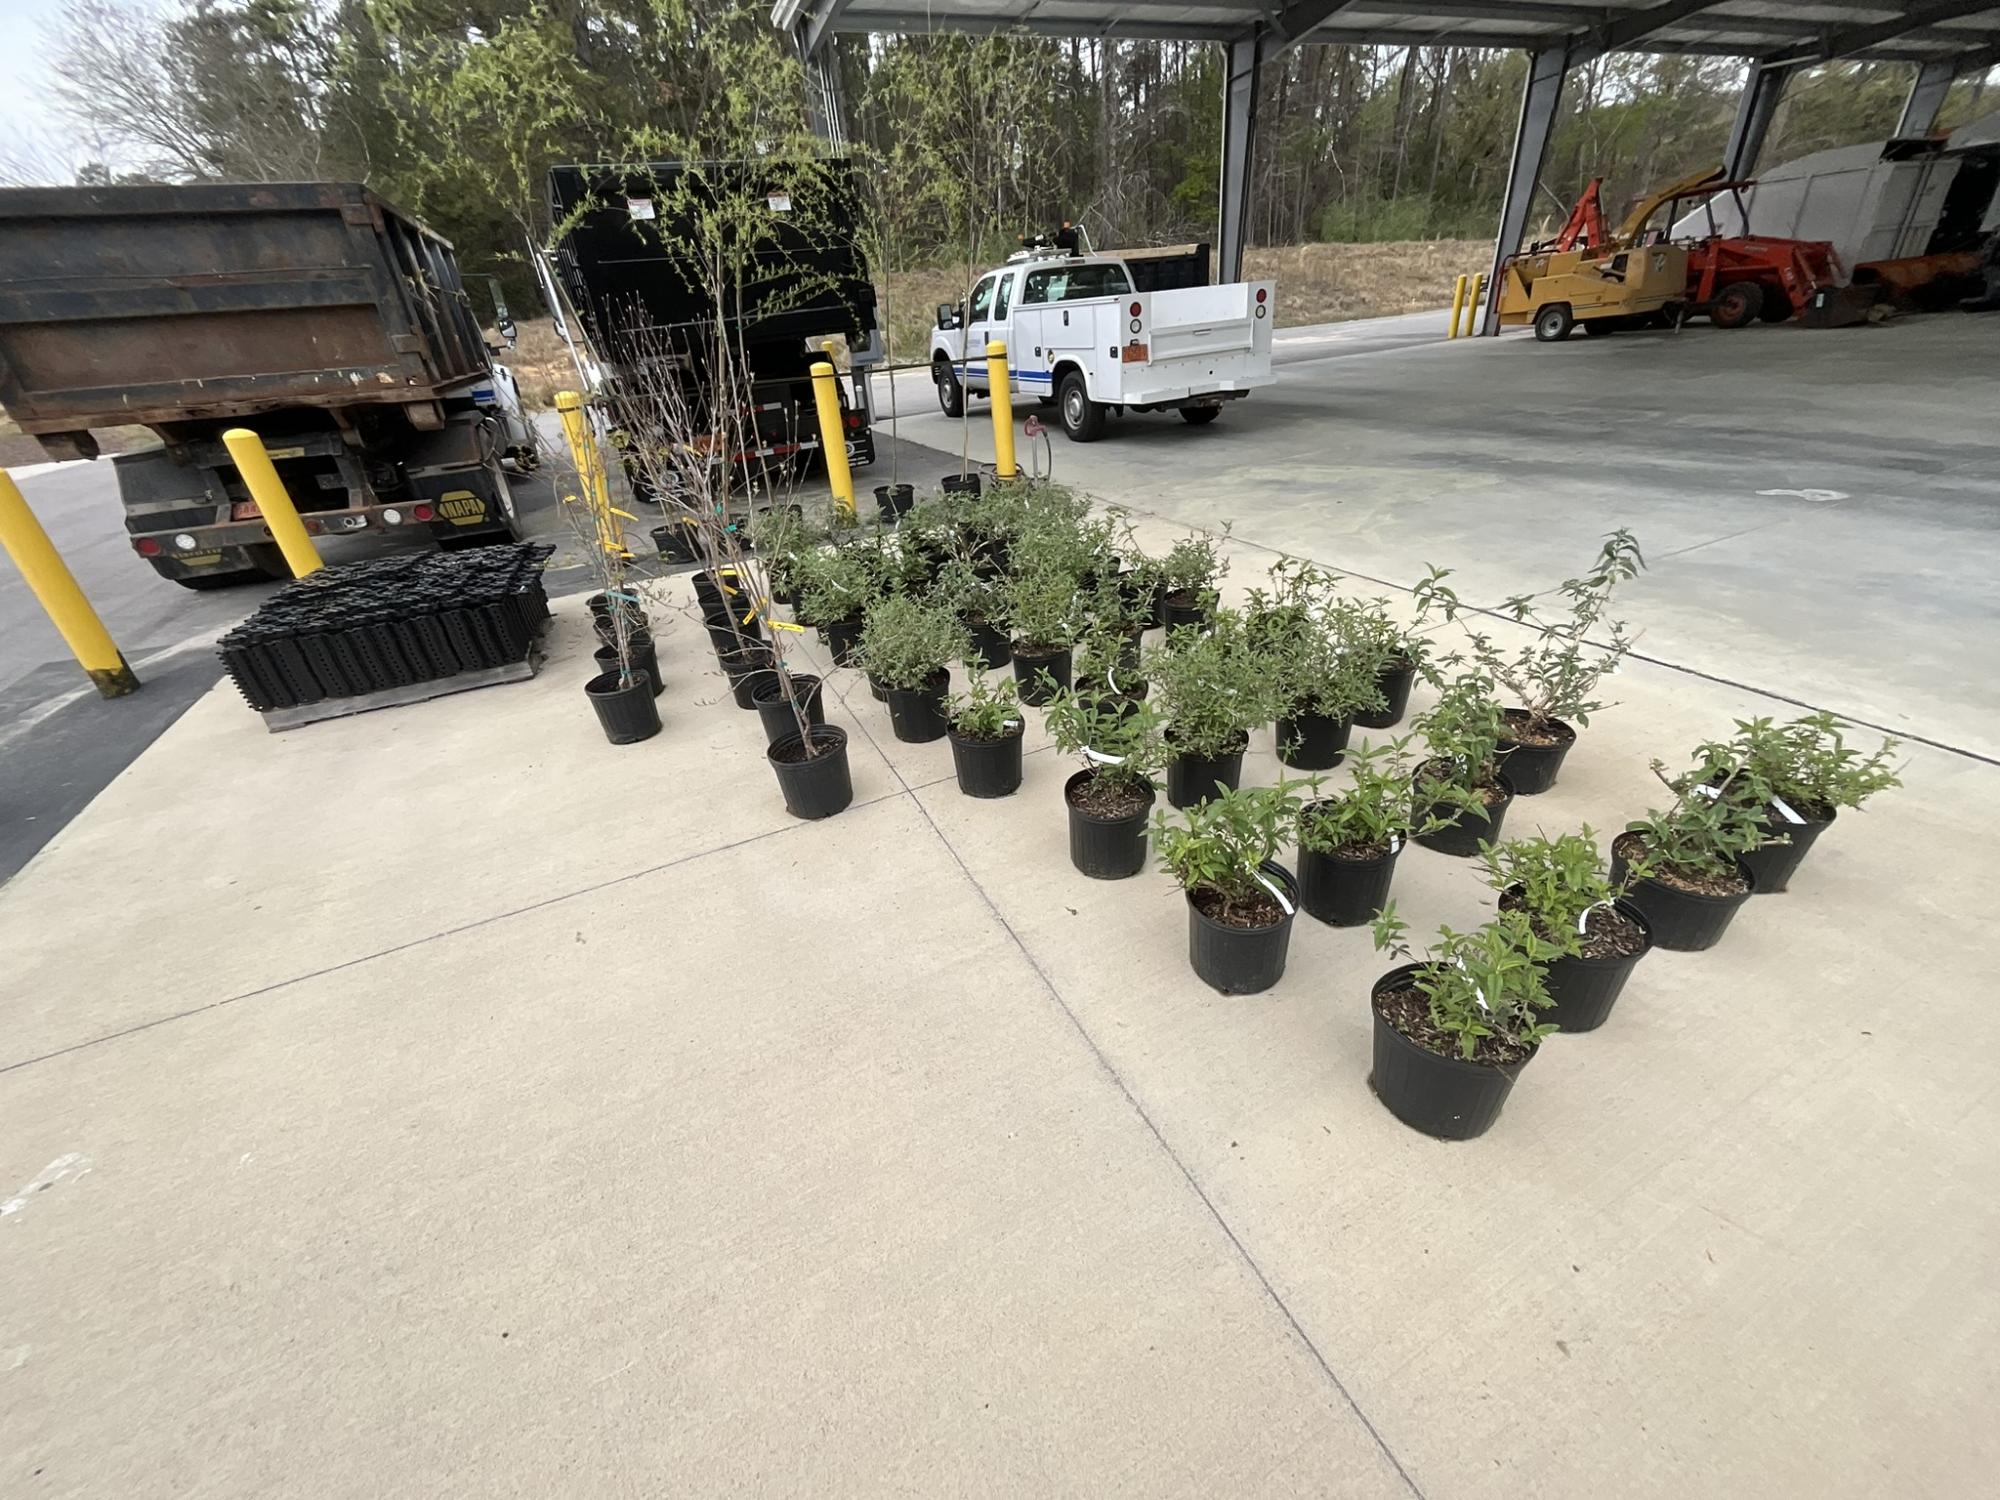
620, 690
986, 730
1190, 573
1348, 843
1461, 784
1454, 1029
1683, 867
1212, 689
1553, 678
1560, 885
1812, 773
907, 645
1240, 900
1109, 798
1040, 607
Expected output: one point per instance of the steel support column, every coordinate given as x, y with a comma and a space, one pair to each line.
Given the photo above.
1540, 96
1244, 61
825, 113
1920, 110
1762, 92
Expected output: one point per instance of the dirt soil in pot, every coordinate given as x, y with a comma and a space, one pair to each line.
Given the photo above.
1254, 911
1410, 1013
1700, 882
1523, 732
1108, 800
1606, 933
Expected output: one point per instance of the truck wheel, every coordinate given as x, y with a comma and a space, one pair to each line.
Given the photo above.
951, 395
1736, 304
1553, 323
1082, 418
1777, 306
1200, 416
202, 583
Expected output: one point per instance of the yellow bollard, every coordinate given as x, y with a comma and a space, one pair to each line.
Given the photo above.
260, 476
1472, 298
1457, 303
589, 470
52, 582
1003, 410
833, 440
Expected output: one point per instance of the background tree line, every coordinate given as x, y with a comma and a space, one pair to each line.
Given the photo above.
455, 108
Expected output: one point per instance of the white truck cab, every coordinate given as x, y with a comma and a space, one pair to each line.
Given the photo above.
1079, 334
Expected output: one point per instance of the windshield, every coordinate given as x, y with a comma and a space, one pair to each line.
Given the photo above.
1074, 283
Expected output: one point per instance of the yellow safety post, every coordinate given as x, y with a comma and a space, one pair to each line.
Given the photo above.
1472, 299
1458, 303
833, 439
1003, 410
260, 476
583, 453
53, 583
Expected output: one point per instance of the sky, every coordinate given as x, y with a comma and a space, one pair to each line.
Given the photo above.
29, 129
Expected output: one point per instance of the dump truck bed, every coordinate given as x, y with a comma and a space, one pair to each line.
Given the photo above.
159, 305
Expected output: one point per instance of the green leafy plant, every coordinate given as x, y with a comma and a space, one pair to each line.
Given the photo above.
837, 582
1463, 730
1557, 882
1211, 687
1372, 639
1040, 608
1120, 749
1556, 673
1194, 566
1483, 988
1222, 844
989, 708
1716, 816
906, 642
1809, 765
1374, 815
1295, 630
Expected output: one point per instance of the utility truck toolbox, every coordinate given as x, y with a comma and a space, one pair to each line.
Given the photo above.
1081, 334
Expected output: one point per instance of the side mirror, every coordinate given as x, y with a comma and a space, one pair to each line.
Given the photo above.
508, 331
947, 316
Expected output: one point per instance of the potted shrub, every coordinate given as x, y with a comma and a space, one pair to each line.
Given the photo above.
1040, 610
1460, 789
1454, 1029
1682, 867
1811, 772
1211, 689
986, 730
1390, 653
906, 646
1103, 668
835, 586
976, 600
1560, 885
1553, 678
1240, 901
1189, 574
1348, 843
1108, 799
1318, 684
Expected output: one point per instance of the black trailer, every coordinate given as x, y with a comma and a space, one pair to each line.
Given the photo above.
629, 259
314, 313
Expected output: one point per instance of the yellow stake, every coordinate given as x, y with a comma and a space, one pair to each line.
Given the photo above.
53, 583
1457, 303
260, 476
589, 469
833, 440
1472, 303
1003, 410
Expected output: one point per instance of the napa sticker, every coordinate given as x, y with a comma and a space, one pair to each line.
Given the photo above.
462, 508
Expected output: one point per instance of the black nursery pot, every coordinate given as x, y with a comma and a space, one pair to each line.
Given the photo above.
1344, 892
1771, 865
627, 714
1242, 960
1533, 768
768, 693
1681, 921
821, 786
675, 542
1192, 778
1030, 662
1446, 1097
644, 659
745, 669
988, 768
607, 629
894, 500
1395, 685
1585, 989
1105, 848
960, 484
1173, 614
723, 638
989, 644
918, 714
1312, 741
1466, 832
719, 597
842, 636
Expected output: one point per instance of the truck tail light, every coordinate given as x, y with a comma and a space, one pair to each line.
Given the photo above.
424, 513
1263, 292
147, 547
854, 419
317, 528
1137, 308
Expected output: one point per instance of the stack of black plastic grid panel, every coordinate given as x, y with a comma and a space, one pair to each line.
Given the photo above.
352, 629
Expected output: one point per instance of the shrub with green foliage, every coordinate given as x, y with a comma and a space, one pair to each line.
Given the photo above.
1211, 687
838, 582
989, 708
1717, 815
1194, 566
1222, 844
1560, 881
1040, 608
906, 642
1374, 815
1119, 749
1482, 986
1809, 764
1463, 730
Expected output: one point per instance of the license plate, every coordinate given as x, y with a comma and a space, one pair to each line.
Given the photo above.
245, 510
1136, 354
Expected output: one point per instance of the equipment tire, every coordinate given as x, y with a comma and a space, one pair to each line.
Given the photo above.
1602, 327
951, 395
1777, 306
1553, 323
1736, 304
1200, 416
1082, 418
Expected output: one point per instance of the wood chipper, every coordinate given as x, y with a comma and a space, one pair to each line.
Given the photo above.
1604, 290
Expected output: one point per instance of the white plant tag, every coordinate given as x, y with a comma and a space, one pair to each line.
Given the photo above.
1786, 811
1477, 993
1583, 922
1710, 792
640, 208
1277, 895
1395, 843
1101, 758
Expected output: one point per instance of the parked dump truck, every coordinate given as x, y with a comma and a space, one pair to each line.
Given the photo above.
630, 263
314, 313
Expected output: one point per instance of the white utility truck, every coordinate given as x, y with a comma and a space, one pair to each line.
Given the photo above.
1085, 333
